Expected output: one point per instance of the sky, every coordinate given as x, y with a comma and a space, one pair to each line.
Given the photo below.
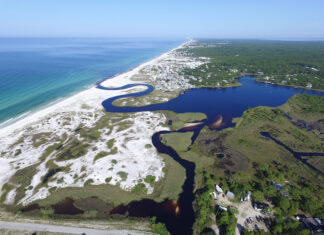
261, 19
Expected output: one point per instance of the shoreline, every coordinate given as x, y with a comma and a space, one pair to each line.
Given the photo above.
293, 86
63, 104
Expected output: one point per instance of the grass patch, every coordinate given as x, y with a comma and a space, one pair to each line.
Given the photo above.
6, 188
140, 189
74, 150
18, 152
88, 182
170, 186
178, 141
122, 175
48, 151
23, 178
177, 120
150, 179
100, 155
107, 180
154, 97
246, 139
110, 143
148, 146
40, 138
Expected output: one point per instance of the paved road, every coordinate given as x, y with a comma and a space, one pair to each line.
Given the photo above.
62, 229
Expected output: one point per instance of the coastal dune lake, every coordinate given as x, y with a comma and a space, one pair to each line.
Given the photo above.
220, 105
36, 72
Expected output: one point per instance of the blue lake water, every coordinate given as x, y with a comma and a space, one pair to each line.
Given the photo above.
228, 102
214, 102
37, 71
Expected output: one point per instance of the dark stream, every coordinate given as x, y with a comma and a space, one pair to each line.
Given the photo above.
216, 103
297, 155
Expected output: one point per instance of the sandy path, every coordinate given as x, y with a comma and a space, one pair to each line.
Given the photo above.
62, 229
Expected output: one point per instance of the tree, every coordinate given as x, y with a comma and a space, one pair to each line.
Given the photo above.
284, 204
257, 196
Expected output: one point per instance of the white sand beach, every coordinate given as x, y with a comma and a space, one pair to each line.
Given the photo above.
19, 147
91, 96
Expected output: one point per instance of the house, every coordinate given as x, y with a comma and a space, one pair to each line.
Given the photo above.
278, 186
214, 195
247, 196
221, 208
314, 224
219, 190
230, 195
260, 206
315, 69
309, 85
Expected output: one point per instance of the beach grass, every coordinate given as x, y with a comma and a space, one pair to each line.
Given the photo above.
168, 187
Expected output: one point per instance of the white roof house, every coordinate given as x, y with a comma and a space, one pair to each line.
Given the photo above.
214, 195
218, 189
222, 208
230, 194
247, 196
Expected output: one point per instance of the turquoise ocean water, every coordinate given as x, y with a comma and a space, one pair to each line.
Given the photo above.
35, 72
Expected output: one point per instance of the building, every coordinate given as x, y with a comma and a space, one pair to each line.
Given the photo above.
313, 224
219, 190
221, 208
260, 206
230, 195
214, 195
247, 196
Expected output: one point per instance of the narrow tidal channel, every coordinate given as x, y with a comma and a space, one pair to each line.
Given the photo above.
178, 215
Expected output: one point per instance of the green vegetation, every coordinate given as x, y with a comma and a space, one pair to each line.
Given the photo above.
203, 205
22, 178
6, 188
74, 150
246, 139
308, 103
88, 182
140, 188
262, 163
122, 175
178, 141
158, 228
178, 120
48, 151
148, 146
226, 221
286, 63
110, 143
107, 180
100, 155
150, 179
154, 97
90, 214
40, 138
170, 186
250, 162
288, 227
18, 151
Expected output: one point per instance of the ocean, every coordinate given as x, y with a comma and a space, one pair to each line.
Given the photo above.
35, 72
